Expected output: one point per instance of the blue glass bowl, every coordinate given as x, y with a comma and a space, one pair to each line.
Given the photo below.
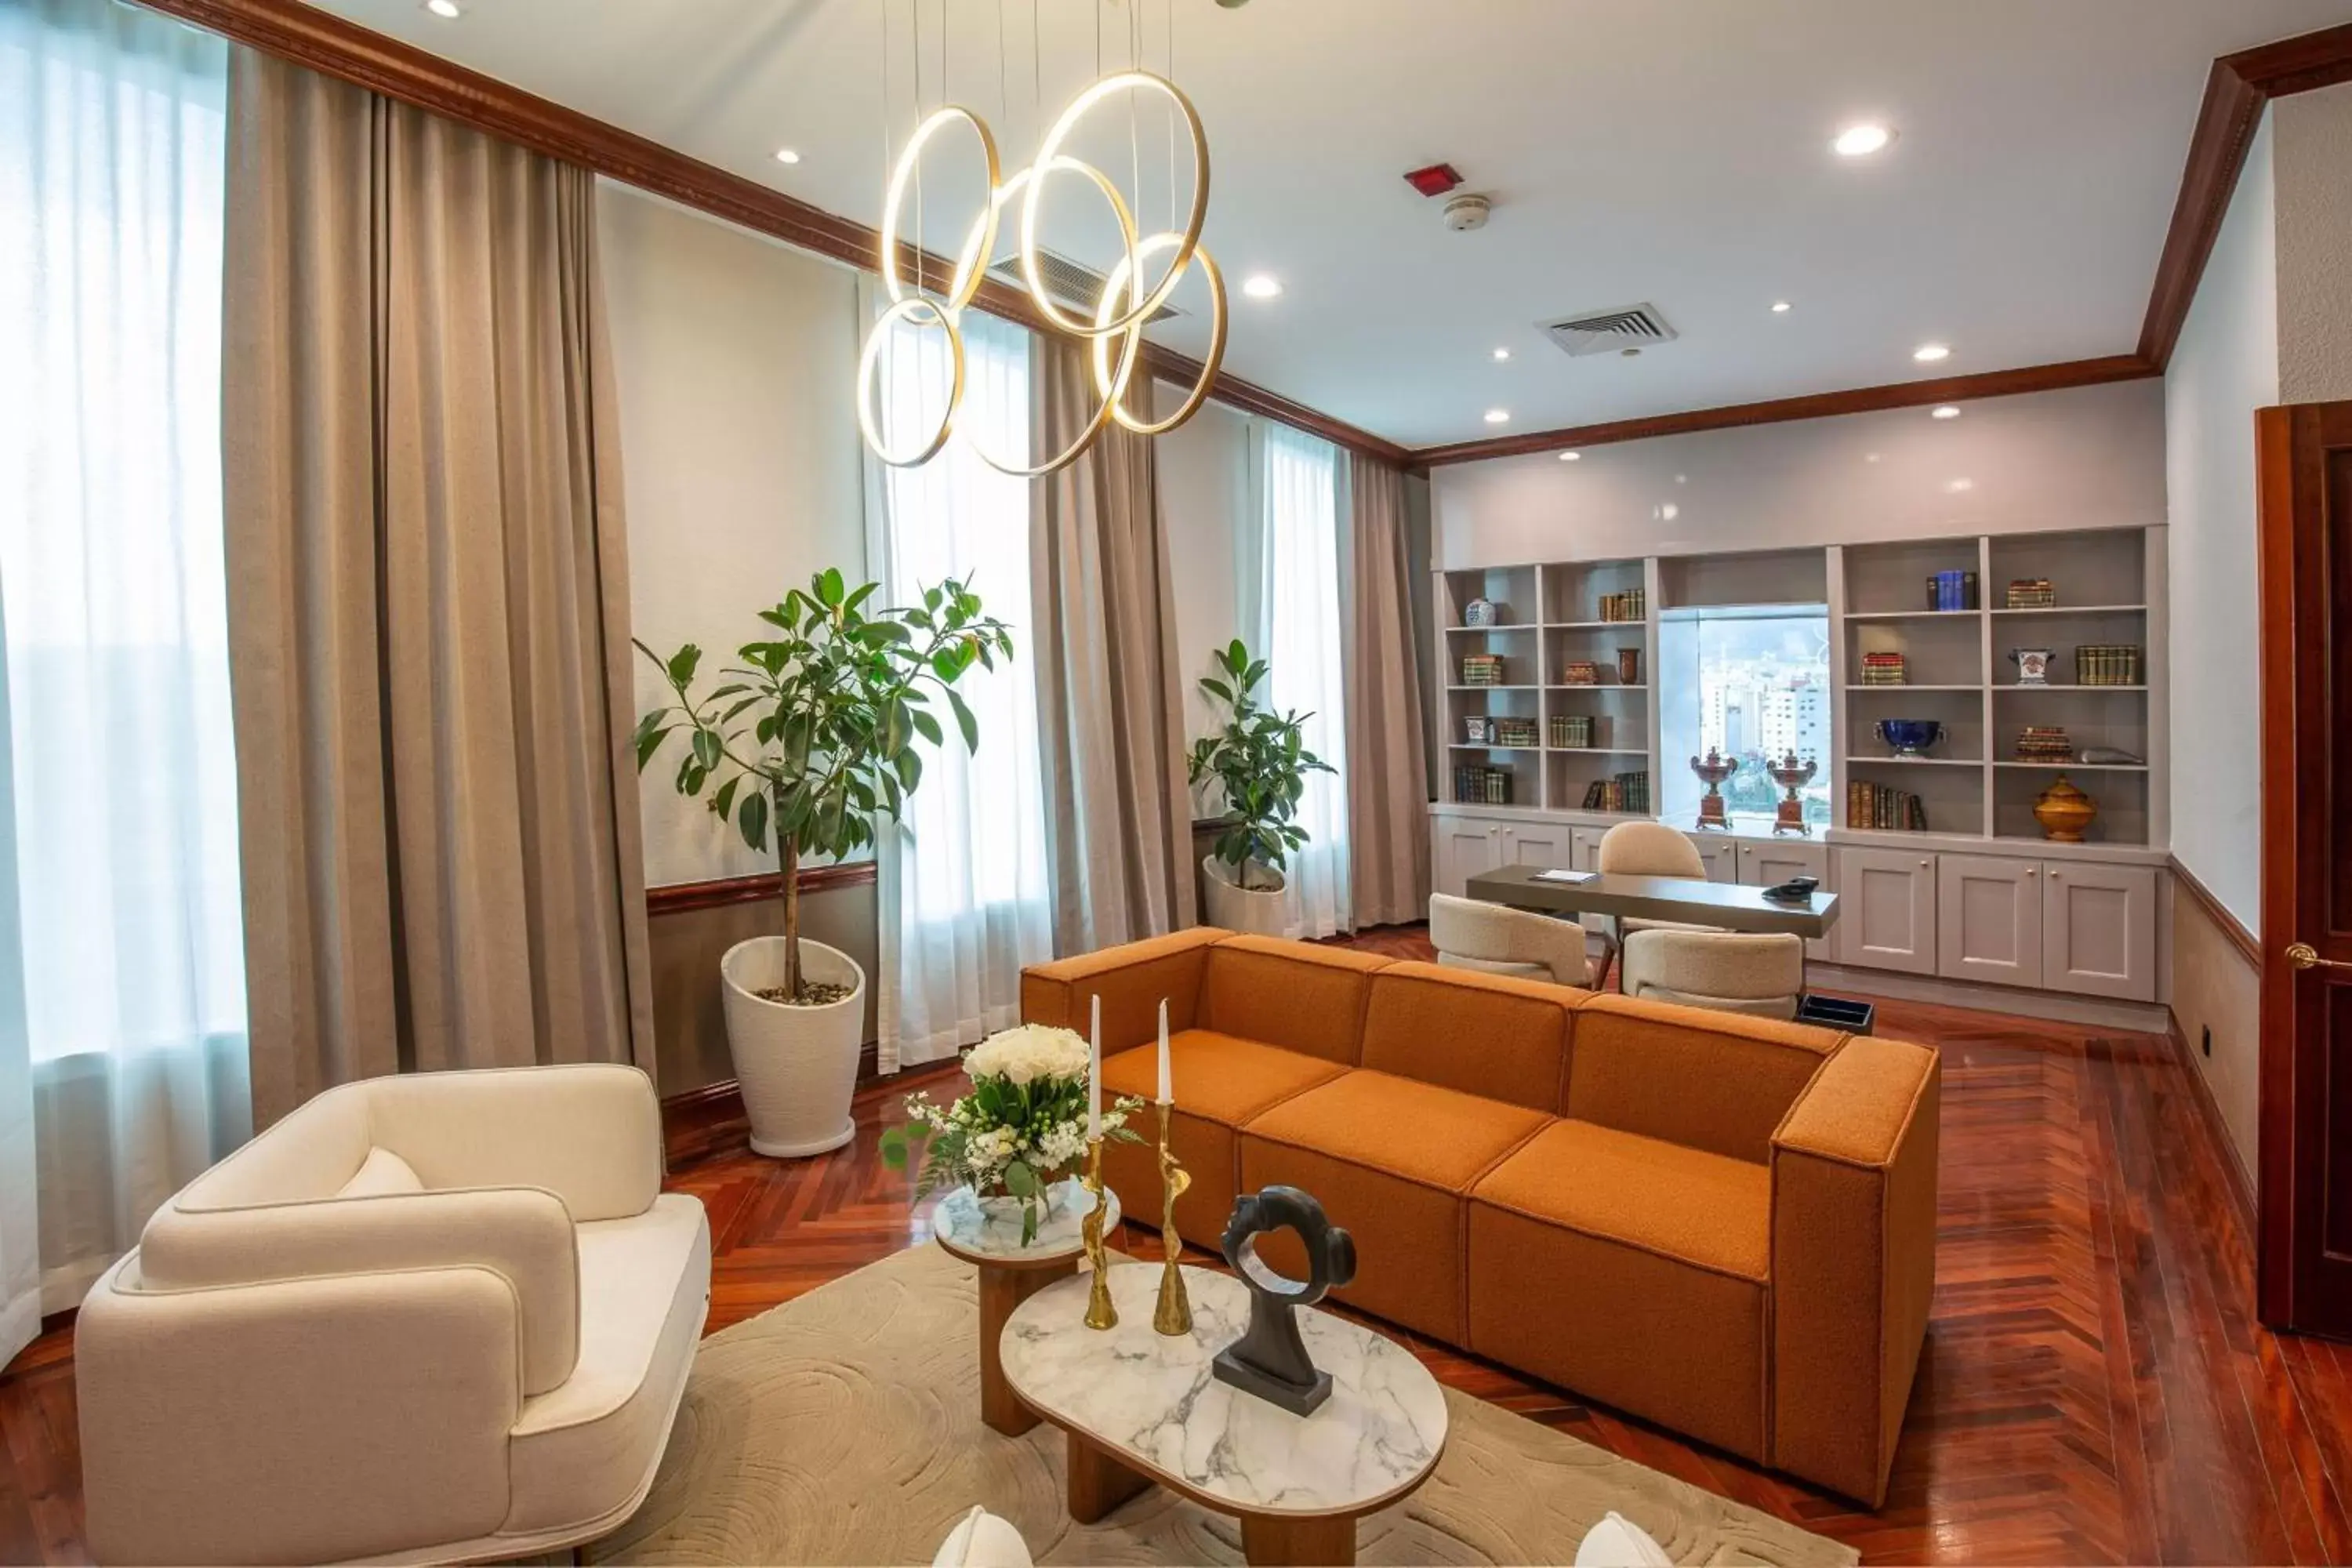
1910, 737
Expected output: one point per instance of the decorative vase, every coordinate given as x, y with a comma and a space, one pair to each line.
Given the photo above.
2064, 812
1712, 771
1791, 775
797, 1065
1251, 911
1910, 737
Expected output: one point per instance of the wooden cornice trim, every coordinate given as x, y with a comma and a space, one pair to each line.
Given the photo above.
2215, 910
333, 45
1814, 405
2235, 92
680, 897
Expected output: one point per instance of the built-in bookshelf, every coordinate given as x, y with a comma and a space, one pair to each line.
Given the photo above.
2106, 590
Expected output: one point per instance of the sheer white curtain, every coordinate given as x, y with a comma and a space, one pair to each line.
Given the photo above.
962, 883
112, 125
20, 1234
1297, 609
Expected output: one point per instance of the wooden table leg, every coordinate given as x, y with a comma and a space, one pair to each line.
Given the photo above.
1289, 1542
1001, 1290
1098, 1483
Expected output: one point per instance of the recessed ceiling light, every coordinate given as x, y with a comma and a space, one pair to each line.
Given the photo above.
1498, 416
1502, 354
1262, 286
1862, 140
786, 156
1947, 412
1780, 306
1571, 457
447, 9
1959, 487
1929, 353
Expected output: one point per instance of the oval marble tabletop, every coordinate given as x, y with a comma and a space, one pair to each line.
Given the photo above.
976, 1234
1150, 1401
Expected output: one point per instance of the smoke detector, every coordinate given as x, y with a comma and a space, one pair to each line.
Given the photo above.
1467, 212
1625, 331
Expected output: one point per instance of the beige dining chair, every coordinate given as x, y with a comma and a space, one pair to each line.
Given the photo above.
1760, 975
1493, 940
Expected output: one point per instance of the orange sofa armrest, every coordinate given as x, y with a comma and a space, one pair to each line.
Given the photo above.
1854, 1261
1131, 980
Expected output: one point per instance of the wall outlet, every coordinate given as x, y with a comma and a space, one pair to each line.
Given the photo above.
2206, 1044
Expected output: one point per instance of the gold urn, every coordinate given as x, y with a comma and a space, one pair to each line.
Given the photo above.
2064, 812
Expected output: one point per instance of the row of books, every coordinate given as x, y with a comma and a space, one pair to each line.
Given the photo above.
2109, 664
1883, 806
1952, 591
1626, 792
1631, 606
1481, 670
1571, 731
2032, 594
2044, 743
1477, 784
1883, 670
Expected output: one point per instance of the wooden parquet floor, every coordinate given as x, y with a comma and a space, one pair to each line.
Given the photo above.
2095, 1387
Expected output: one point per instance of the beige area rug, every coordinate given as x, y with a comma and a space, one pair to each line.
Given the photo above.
844, 1427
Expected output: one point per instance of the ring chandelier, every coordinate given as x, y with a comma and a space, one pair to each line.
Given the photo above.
1114, 337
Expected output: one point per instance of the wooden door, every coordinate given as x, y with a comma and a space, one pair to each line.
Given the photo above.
1886, 910
1989, 919
2304, 474
2098, 930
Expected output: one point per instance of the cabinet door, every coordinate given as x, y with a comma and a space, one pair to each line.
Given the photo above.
1988, 918
1722, 857
1584, 843
1538, 844
1886, 910
1466, 847
1771, 862
2098, 925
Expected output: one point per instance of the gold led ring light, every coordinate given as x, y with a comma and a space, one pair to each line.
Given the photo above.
1122, 312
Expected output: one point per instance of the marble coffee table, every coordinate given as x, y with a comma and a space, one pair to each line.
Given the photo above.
1010, 1273
1140, 1407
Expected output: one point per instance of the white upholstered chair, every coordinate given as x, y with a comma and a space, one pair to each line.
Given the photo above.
439, 1317
1731, 972
1650, 850
1470, 934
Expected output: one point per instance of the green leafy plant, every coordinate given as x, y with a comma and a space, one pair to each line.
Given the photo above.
1261, 762
813, 736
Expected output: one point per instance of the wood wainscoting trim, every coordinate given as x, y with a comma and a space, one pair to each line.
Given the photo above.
2209, 1111
710, 1121
2229, 924
680, 897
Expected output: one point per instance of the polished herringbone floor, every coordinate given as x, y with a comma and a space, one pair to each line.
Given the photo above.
2095, 1387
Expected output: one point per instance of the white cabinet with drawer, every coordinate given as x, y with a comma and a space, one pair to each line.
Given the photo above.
1463, 847
1721, 855
1886, 910
2098, 926
1767, 863
1989, 919
1544, 844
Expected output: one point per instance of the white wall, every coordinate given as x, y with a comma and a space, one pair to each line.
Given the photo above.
734, 357
2313, 179
1204, 493
2227, 365
2086, 458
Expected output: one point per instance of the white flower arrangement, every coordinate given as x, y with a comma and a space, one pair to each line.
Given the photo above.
1022, 1128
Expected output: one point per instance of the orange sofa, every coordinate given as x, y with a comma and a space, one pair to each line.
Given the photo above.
1721, 1224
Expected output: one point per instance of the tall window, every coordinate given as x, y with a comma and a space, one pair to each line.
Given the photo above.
1298, 514
112, 136
963, 891
1753, 684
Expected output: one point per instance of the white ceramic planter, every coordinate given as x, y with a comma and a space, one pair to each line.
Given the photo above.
1257, 912
797, 1065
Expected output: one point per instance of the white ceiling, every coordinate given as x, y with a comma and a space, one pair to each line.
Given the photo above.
1667, 151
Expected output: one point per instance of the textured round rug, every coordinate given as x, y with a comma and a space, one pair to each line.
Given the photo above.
844, 1427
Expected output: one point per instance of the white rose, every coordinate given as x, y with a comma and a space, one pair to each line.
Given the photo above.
1028, 1052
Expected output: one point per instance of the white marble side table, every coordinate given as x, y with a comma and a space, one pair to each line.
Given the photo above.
1140, 1408
1010, 1272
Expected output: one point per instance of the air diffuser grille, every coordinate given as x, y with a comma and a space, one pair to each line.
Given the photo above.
1607, 332
1077, 289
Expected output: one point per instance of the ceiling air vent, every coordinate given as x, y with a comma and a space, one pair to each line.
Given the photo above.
1636, 327
1075, 289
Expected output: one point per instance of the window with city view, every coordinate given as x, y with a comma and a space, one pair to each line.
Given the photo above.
1754, 683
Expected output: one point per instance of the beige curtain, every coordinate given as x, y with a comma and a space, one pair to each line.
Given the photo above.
429, 600
1111, 716
1387, 777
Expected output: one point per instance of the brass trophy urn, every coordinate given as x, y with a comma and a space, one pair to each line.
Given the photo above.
1712, 772
1791, 775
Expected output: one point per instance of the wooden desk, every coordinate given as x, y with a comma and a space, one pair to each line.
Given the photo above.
1688, 901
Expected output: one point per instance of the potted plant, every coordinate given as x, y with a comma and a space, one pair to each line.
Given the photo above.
1017, 1138
812, 739
1260, 761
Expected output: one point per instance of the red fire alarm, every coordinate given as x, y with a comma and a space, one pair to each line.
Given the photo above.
1436, 180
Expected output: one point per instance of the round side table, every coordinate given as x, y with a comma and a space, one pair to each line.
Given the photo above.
1010, 1273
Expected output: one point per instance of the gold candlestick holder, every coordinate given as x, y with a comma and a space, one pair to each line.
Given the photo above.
1100, 1313
1174, 1313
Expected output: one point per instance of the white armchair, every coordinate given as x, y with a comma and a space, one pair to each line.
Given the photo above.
429, 1317
1763, 976
1471, 934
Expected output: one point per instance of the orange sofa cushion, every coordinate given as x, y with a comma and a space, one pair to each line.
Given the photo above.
1390, 1158
1492, 1035
1630, 1270
1294, 994
1131, 980
1716, 1081
1220, 1083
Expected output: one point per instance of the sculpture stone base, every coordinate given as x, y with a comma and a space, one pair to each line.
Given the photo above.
1283, 1394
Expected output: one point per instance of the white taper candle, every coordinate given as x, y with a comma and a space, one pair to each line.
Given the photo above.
1094, 1072
1167, 1077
